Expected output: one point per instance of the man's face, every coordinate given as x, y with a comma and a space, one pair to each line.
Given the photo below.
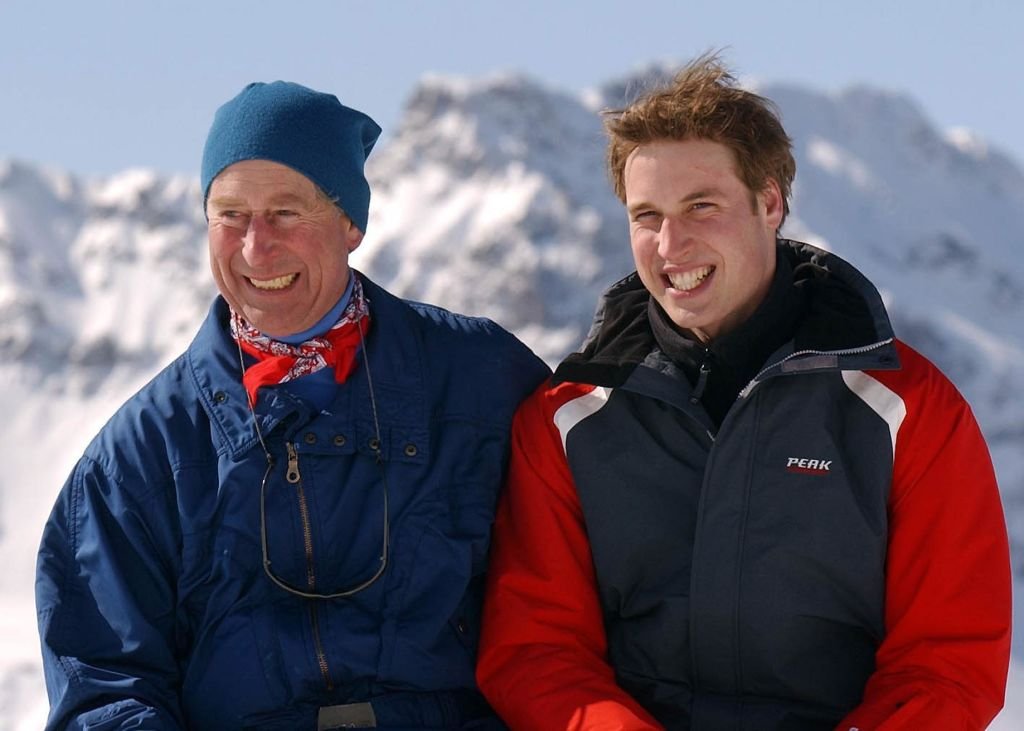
703, 243
278, 249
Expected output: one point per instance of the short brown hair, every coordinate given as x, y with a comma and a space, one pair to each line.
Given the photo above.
704, 101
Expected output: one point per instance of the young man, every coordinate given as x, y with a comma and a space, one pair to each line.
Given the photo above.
744, 504
287, 528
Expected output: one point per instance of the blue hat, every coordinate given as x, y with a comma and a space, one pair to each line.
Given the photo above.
309, 131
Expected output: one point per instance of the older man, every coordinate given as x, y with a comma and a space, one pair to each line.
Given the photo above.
744, 504
287, 528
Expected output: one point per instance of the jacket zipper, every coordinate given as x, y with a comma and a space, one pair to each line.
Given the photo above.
849, 351
295, 477
711, 455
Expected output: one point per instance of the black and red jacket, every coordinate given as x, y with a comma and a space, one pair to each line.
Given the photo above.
829, 552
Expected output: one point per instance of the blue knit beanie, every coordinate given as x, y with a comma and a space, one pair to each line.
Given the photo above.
309, 131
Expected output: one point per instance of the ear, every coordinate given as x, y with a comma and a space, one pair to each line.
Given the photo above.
772, 204
353, 237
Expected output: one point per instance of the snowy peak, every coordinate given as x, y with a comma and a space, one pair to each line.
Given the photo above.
911, 208
616, 93
94, 272
502, 198
486, 126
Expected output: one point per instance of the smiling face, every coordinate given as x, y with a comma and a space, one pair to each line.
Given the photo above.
703, 243
278, 248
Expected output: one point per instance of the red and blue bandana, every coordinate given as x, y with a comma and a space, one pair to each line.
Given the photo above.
279, 362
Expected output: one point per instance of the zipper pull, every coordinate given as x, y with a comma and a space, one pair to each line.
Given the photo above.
293, 463
702, 382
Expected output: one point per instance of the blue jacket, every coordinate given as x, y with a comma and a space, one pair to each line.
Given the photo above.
154, 607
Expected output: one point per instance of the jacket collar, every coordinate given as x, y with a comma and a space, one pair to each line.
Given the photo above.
844, 323
393, 353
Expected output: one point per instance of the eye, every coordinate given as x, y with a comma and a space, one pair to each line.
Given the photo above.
231, 217
645, 215
284, 216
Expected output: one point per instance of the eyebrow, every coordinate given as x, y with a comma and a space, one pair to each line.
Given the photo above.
703, 193
695, 195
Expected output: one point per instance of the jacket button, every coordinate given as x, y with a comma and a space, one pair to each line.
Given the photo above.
309, 438
339, 440
220, 397
374, 443
410, 450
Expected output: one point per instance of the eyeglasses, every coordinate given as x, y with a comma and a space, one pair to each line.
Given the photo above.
293, 477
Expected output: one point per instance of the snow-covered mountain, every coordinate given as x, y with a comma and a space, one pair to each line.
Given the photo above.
490, 198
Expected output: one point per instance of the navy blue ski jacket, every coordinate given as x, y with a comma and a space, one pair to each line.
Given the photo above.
153, 604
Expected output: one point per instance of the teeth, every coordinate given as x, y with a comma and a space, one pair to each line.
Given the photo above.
688, 280
276, 283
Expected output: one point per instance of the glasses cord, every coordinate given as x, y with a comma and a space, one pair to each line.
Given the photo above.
376, 449
375, 446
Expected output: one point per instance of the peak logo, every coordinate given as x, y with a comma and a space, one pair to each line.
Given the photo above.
805, 466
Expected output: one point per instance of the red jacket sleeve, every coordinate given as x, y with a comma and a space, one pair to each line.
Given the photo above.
944, 659
543, 661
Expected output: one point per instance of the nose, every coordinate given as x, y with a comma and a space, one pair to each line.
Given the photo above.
258, 241
673, 238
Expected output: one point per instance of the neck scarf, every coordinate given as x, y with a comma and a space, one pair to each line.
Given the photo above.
279, 362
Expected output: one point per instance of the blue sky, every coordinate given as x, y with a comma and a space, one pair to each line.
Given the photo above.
99, 86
